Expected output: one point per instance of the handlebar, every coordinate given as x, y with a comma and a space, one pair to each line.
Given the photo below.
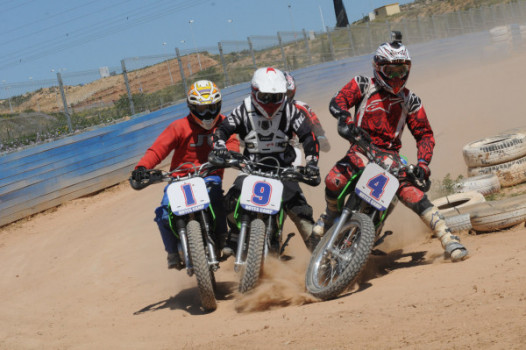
153, 176
263, 168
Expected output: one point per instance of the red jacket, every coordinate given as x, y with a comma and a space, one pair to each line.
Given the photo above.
385, 115
190, 143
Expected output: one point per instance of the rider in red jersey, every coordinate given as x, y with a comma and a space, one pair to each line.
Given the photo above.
191, 140
383, 107
307, 111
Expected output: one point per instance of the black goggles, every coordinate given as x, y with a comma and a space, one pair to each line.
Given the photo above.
268, 97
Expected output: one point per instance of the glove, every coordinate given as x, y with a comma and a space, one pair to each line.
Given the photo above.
218, 154
311, 169
137, 176
422, 171
347, 131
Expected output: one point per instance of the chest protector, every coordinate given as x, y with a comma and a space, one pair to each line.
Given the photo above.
265, 137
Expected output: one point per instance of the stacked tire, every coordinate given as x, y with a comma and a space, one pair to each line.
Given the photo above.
493, 162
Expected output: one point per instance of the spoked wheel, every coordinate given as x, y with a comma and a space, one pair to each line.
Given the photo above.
334, 268
203, 273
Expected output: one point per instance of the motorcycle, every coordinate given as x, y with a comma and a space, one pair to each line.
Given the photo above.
259, 213
192, 218
365, 203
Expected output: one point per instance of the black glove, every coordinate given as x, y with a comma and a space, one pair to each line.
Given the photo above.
311, 169
137, 176
347, 131
422, 171
218, 154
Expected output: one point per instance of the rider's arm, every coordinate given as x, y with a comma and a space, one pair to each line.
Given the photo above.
420, 129
348, 97
230, 126
313, 118
301, 126
161, 148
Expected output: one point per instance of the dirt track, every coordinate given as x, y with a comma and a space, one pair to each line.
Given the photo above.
92, 275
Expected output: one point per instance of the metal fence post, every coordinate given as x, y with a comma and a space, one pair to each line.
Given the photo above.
251, 47
223, 63
282, 52
460, 22
370, 35
307, 47
64, 101
181, 68
331, 46
351, 40
130, 98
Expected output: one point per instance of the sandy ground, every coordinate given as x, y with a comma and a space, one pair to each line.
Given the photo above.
91, 274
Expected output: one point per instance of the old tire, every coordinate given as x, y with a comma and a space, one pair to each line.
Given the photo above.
333, 269
254, 263
498, 215
494, 150
450, 203
203, 274
460, 222
485, 184
509, 173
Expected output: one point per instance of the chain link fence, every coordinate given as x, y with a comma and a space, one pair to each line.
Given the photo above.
37, 111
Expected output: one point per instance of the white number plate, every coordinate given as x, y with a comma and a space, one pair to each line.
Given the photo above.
377, 187
261, 194
188, 196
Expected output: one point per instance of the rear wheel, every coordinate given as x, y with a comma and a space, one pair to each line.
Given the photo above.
254, 262
334, 268
205, 277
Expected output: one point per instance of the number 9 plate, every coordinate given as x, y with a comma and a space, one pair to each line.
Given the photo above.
377, 186
261, 194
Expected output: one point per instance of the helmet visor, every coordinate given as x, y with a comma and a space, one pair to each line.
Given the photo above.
392, 71
267, 97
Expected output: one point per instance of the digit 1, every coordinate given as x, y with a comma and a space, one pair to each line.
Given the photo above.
188, 193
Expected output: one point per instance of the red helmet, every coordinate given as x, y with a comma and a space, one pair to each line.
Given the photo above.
392, 65
204, 102
269, 87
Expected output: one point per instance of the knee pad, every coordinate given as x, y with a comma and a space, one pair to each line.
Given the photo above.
418, 203
335, 182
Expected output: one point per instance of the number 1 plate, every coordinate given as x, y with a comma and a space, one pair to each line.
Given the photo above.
188, 196
377, 187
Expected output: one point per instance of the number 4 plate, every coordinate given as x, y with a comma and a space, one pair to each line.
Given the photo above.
188, 196
376, 186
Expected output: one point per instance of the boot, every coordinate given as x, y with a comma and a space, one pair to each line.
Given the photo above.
305, 227
327, 218
312, 242
451, 243
174, 262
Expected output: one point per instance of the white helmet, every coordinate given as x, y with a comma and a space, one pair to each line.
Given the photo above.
204, 102
269, 87
392, 65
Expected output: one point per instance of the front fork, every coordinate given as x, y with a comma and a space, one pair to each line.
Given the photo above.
181, 231
245, 219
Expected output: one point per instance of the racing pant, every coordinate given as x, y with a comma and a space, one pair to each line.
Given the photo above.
215, 192
294, 203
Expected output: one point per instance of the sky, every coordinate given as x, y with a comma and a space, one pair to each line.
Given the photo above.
41, 37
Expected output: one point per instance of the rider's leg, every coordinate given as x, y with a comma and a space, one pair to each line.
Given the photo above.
215, 192
300, 212
417, 201
167, 235
229, 239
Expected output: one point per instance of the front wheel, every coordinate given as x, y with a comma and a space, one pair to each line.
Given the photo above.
334, 268
205, 277
254, 261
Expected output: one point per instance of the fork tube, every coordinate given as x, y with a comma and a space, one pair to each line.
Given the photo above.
241, 243
212, 259
181, 229
341, 221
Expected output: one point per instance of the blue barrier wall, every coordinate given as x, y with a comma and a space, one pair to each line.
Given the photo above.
50, 174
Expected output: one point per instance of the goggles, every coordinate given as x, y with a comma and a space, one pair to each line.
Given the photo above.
203, 110
269, 97
392, 71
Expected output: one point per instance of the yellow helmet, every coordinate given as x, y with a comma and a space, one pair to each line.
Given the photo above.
204, 101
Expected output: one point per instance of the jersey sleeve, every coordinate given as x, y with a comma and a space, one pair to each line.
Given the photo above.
230, 125
348, 96
421, 130
161, 148
301, 126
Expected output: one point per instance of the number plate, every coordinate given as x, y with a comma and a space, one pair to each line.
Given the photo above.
376, 186
188, 196
261, 194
